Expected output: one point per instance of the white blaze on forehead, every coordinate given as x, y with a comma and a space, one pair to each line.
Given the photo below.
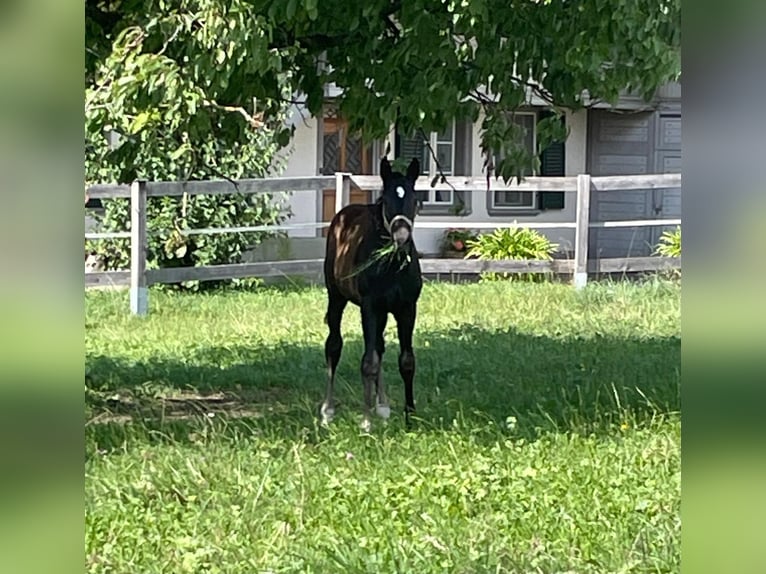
400, 191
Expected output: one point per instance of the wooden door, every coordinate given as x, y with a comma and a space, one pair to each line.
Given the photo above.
343, 152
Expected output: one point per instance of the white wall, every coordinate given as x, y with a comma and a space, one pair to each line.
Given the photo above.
302, 159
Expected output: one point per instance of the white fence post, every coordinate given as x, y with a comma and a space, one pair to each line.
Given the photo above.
582, 218
342, 190
139, 294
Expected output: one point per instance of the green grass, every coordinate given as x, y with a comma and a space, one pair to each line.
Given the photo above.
548, 437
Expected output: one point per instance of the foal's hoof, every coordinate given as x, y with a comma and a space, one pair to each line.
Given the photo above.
408, 423
383, 411
327, 414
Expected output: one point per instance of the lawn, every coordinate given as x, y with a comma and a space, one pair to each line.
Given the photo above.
547, 439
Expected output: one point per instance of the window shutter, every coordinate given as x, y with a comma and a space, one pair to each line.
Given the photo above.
552, 160
412, 148
551, 165
408, 148
463, 130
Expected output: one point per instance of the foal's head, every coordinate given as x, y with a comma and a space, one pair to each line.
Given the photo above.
398, 199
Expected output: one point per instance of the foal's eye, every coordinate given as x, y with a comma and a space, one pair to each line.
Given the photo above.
400, 192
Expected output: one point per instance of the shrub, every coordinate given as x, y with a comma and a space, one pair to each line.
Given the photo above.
167, 217
518, 243
669, 244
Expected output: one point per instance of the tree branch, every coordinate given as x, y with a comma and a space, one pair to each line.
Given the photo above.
325, 41
211, 168
483, 99
254, 121
170, 40
392, 27
540, 91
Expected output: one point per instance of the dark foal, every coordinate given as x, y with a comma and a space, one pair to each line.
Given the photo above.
382, 286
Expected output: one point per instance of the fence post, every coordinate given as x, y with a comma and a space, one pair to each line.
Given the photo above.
342, 190
582, 219
139, 294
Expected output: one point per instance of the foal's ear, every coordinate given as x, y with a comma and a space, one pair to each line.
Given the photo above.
413, 170
385, 169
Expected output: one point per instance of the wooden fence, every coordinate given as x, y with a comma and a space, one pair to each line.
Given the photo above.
140, 278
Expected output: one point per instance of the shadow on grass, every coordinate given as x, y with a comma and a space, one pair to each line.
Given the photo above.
476, 377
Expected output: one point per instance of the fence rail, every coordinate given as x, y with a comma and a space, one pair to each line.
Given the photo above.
139, 278
430, 266
215, 187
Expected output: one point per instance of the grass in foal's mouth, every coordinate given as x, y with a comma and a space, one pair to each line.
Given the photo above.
548, 437
388, 254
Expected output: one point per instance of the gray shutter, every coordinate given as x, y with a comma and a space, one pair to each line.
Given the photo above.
463, 136
462, 143
414, 147
552, 165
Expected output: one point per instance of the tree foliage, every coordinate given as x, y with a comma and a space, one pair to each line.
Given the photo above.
171, 80
417, 63
174, 84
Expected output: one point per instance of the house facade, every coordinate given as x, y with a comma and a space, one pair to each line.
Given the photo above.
634, 137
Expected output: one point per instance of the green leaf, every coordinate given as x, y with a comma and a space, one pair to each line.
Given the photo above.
312, 10
283, 137
292, 5
139, 122
179, 152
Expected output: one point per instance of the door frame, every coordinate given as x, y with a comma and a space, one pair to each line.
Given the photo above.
368, 166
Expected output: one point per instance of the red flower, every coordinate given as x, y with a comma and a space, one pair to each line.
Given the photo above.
458, 245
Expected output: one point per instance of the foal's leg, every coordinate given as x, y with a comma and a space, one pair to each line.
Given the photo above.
332, 350
405, 324
382, 408
370, 361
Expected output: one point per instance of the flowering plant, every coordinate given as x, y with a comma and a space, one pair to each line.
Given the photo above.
456, 239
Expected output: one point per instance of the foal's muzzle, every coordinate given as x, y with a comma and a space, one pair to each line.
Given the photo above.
400, 229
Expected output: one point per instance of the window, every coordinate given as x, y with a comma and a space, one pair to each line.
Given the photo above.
519, 199
514, 199
551, 164
452, 148
444, 145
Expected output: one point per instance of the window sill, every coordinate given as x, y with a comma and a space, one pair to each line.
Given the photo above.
427, 210
513, 212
